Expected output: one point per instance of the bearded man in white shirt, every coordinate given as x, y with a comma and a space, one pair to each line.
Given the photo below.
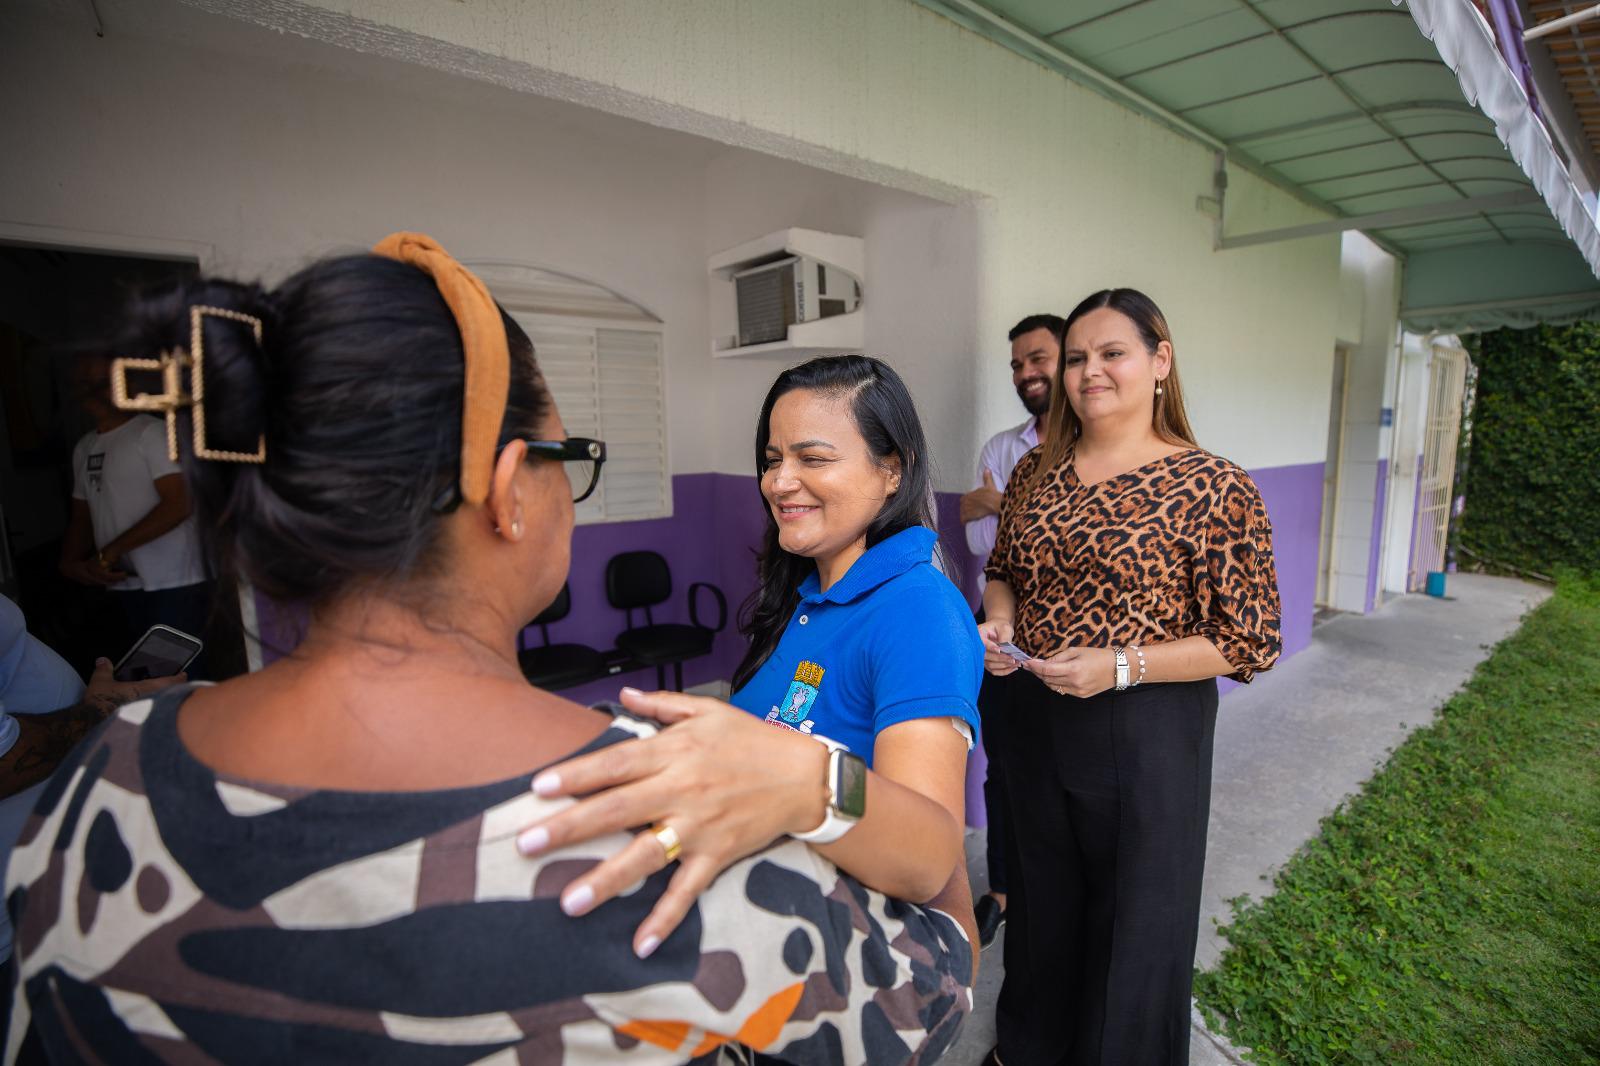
1035, 351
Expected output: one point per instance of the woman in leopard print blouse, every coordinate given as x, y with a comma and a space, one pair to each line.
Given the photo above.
1120, 539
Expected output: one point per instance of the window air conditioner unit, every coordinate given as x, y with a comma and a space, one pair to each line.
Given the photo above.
773, 296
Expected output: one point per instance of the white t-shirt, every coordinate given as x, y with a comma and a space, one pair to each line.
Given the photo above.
115, 473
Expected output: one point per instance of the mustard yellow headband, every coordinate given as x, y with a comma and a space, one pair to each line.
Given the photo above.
483, 339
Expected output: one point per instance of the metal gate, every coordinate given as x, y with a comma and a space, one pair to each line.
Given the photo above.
1447, 381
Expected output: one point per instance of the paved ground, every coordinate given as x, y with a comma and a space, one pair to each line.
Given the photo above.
1301, 738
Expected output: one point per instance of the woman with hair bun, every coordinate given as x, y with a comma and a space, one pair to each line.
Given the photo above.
313, 863
1135, 569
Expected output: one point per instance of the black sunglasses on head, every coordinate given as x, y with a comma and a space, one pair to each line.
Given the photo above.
586, 453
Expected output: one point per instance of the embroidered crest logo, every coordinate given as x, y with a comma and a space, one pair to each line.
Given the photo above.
796, 707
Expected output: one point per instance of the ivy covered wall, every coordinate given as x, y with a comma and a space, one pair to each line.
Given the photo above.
1533, 480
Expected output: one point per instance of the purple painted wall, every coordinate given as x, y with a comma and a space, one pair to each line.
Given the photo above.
716, 528
713, 535
962, 568
691, 546
1293, 495
1380, 496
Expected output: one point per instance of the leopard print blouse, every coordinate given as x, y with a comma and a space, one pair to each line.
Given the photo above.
1179, 547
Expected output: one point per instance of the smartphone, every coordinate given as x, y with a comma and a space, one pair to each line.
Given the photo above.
1015, 652
161, 652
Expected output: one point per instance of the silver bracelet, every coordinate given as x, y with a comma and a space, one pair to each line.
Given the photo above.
1138, 651
1122, 667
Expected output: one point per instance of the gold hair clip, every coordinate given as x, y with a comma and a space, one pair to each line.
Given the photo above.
172, 396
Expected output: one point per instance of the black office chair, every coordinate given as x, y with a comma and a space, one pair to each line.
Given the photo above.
641, 580
555, 666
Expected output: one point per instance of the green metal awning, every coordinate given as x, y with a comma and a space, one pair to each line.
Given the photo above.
1426, 145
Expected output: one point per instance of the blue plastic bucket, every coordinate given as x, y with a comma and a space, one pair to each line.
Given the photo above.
1436, 582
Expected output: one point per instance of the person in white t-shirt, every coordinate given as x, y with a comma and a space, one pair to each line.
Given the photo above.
1035, 350
131, 530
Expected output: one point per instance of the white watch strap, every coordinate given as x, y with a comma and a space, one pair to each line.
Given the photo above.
833, 827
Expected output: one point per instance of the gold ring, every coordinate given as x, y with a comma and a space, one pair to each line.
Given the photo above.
667, 837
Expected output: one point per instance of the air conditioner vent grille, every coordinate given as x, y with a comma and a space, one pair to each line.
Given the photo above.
766, 305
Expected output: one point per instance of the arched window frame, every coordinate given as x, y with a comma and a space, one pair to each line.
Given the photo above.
603, 358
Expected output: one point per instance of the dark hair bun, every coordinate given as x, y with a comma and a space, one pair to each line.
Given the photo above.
357, 387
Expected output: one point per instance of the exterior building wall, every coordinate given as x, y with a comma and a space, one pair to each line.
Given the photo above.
1407, 394
919, 297
266, 152
1084, 192
985, 186
255, 154
1370, 280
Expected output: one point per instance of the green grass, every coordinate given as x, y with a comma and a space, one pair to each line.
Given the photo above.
1449, 913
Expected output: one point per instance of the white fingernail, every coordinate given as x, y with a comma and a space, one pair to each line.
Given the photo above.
576, 900
647, 946
547, 784
629, 690
534, 840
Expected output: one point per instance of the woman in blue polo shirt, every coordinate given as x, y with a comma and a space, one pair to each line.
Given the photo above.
856, 640
850, 605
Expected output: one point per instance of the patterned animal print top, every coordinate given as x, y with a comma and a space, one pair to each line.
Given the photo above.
171, 914
1180, 547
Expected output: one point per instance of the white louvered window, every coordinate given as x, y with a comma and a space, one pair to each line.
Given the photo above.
602, 358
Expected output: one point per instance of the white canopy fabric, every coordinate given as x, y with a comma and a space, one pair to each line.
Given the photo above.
1425, 141
1467, 46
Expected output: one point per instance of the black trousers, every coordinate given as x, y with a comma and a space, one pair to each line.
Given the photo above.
1109, 797
992, 710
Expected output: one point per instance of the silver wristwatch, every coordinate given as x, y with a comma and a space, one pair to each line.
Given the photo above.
1122, 668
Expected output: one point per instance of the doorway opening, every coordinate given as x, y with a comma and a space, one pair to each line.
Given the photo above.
1447, 380
57, 304
1332, 470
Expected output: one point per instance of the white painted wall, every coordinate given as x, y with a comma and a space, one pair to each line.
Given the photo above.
1083, 192
273, 146
1370, 294
308, 149
271, 150
919, 296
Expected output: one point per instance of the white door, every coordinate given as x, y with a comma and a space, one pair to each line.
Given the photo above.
1447, 381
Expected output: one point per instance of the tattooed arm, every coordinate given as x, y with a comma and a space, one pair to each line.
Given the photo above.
43, 740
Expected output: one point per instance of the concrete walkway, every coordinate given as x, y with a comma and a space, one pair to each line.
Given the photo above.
1300, 739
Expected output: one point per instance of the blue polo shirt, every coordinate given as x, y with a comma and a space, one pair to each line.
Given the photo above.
890, 642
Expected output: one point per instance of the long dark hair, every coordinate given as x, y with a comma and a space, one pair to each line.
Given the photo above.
1167, 415
887, 420
357, 385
